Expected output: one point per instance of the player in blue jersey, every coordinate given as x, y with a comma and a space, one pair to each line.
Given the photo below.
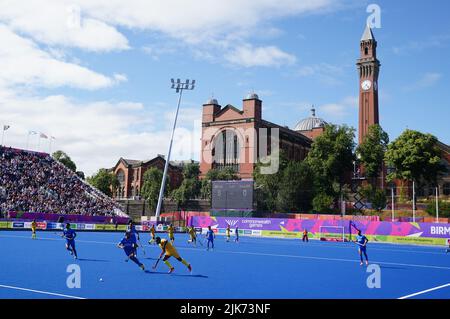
236, 232
133, 233
70, 235
362, 241
129, 245
210, 238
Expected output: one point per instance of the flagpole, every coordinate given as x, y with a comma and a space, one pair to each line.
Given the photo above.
3, 135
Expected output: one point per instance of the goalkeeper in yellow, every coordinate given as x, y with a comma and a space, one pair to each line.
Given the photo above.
33, 229
168, 250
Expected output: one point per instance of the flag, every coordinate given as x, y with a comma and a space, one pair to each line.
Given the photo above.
5, 127
43, 135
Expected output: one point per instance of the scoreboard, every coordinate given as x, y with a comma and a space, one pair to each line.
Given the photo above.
232, 195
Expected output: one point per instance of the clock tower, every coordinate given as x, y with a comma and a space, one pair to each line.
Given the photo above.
368, 68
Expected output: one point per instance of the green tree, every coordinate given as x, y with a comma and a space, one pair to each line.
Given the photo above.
104, 180
444, 208
295, 191
377, 197
190, 186
65, 159
322, 203
151, 185
331, 158
268, 185
414, 156
372, 151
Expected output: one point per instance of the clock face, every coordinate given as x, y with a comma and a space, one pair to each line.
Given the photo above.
366, 85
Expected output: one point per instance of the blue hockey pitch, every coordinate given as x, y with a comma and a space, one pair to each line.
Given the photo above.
253, 268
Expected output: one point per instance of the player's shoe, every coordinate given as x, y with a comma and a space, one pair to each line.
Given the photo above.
367, 263
171, 270
361, 263
190, 268
75, 257
142, 267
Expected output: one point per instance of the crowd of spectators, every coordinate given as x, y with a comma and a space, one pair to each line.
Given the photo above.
35, 182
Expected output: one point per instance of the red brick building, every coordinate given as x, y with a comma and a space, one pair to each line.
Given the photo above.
238, 138
130, 174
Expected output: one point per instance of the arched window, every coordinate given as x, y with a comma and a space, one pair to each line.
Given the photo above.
366, 50
226, 150
121, 178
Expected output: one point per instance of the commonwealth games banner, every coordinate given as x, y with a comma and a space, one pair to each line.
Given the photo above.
398, 232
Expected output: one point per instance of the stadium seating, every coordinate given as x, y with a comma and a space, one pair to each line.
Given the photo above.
35, 182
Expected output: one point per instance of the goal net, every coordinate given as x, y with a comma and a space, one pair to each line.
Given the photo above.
332, 233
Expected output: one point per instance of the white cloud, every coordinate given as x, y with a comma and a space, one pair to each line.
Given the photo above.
325, 73
204, 25
427, 80
61, 23
249, 56
22, 62
340, 110
94, 134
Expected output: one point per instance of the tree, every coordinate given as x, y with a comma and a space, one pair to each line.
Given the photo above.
190, 186
295, 191
322, 202
65, 159
414, 156
377, 197
104, 180
372, 151
267, 185
331, 158
151, 186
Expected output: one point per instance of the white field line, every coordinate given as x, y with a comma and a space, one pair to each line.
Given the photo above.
267, 254
424, 291
41, 292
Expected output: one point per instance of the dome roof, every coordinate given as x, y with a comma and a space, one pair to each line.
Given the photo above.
310, 123
252, 96
212, 101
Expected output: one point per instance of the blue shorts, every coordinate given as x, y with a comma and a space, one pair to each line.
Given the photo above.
129, 250
70, 243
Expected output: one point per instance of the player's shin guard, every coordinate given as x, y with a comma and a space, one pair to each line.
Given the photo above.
168, 264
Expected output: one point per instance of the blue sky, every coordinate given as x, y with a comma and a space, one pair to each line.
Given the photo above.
100, 85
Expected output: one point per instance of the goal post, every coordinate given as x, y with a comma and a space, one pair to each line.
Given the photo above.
332, 233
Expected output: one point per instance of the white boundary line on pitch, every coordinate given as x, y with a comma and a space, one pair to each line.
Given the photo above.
424, 291
265, 254
41, 292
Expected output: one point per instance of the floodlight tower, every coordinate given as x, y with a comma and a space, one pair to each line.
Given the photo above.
179, 87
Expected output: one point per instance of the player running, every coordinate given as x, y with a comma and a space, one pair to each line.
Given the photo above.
170, 230
152, 234
70, 235
33, 229
362, 241
129, 246
236, 233
210, 238
228, 232
168, 250
192, 236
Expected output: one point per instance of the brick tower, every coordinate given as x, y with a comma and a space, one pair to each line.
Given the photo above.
368, 68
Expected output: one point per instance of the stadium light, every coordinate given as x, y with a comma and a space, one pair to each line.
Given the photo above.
179, 87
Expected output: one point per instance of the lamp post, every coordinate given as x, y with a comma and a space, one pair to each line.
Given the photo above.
179, 87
